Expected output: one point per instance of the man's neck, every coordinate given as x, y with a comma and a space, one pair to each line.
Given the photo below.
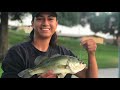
41, 44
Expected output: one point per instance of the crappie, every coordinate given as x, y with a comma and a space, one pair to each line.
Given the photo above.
60, 64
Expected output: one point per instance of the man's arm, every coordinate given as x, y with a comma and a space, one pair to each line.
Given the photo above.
92, 70
11, 65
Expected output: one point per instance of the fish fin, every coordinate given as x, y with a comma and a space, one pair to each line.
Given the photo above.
56, 55
61, 75
25, 74
40, 59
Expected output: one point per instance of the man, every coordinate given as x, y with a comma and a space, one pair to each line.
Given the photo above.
43, 43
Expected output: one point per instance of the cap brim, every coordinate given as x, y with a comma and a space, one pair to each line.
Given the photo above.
36, 14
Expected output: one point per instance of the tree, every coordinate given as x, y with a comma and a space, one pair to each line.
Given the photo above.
68, 18
107, 23
98, 22
4, 29
3, 34
113, 25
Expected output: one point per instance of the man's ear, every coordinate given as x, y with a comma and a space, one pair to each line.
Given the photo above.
57, 23
31, 23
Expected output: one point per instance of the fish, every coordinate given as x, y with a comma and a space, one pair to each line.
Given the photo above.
59, 64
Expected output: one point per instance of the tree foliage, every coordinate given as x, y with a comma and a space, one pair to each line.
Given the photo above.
106, 22
98, 22
68, 18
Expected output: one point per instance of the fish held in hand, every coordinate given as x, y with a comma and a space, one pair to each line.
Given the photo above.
60, 64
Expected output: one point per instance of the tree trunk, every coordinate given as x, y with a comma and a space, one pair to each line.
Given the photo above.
3, 34
118, 40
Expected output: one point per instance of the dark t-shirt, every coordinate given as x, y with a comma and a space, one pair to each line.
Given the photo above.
22, 56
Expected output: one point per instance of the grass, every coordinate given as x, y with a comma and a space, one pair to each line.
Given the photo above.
107, 55
15, 37
0, 70
74, 46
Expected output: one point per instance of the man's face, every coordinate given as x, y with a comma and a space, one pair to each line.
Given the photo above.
45, 25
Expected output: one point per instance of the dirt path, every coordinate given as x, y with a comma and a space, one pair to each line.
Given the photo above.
107, 73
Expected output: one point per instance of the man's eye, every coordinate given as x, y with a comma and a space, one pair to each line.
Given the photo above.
51, 18
39, 18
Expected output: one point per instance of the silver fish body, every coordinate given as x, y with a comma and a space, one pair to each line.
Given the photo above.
60, 64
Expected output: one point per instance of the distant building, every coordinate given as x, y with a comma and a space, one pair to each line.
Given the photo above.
97, 39
85, 33
27, 29
25, 25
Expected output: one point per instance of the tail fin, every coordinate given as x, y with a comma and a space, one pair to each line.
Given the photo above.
25, 74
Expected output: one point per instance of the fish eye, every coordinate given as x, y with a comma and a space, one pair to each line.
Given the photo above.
81, 62
66, 66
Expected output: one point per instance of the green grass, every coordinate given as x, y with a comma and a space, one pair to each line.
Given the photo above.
74, 46
107, 55
0, 70
15, 37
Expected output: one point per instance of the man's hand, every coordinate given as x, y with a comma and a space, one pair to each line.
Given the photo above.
90, 45
92, 70
49, 74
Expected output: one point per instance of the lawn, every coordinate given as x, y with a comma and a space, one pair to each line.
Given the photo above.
107, 55
15, 37
0, 70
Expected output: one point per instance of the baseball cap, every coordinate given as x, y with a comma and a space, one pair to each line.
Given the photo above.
36, 14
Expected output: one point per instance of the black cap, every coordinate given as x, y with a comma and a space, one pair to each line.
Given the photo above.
36, 14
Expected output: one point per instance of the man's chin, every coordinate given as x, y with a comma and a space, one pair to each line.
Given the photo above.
46, 36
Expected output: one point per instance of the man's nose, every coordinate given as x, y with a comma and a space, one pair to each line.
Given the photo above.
45, 22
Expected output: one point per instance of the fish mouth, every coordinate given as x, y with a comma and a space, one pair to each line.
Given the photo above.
76, 68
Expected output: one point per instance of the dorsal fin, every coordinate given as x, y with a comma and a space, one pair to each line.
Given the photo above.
40, 59
56, 55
